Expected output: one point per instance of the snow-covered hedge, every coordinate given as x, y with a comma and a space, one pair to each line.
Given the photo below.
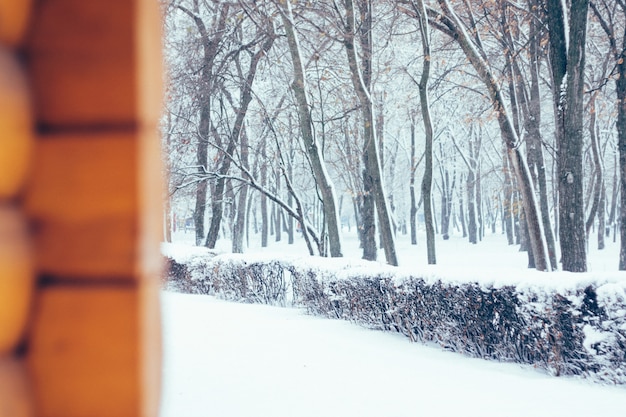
566, 323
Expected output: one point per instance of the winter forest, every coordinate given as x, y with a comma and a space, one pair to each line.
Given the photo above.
308, 119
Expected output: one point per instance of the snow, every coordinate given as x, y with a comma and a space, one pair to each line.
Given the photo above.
228, 359
491, 263
593, 338
183, 253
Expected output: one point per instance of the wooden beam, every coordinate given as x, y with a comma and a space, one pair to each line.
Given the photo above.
84, 355
82, 62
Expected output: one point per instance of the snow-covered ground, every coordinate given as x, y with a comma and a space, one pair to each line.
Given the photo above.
493, 253
227, 359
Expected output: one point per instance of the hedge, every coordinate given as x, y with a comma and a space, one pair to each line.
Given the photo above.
574, 329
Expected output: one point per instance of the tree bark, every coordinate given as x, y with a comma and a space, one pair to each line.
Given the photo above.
413, 210
278, 233
427, 180
568, 64
619, 53
446, 203
322, 179
371, 156
508, 216
462, 213
534, 137
472, 229
210, 51
245, 99
598, 189
264, 214
537, 237
240, 222
620, 89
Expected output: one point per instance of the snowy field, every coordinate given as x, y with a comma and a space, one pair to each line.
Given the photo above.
227, 359
235, 360
492, 254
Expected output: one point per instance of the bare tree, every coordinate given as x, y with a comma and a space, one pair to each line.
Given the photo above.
322, 179
360, 77
210, 39
611, 17
567, 62
427, 180
449, 23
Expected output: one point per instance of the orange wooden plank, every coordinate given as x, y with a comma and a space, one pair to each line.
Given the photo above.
105, 248
16, 139
16, 278
82, 62
83, 177
13, 20
84, 352
15, 394
83, 199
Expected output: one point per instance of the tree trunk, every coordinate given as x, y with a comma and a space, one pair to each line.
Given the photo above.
201, 192
427, 181
368, 217
372, 169
413, 210
462, 212
568, 63
210, 50
619, 53
534, 137
446, 204
242, 206
472, 228
520, 110
264, 214
479, 204
620, 88
245, 98
531, 209
322, 179
508, 214
602, 218
598, 188
290, 225
277, 223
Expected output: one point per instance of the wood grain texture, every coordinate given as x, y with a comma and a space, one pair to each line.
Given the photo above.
14, 16
83, 200
16, 138
82, 62
94, 200
16, 278
100, 249
78, 177
84, 354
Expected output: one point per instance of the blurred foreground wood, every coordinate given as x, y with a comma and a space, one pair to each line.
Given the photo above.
80, 206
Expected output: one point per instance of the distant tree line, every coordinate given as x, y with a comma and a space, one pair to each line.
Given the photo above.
480, 115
